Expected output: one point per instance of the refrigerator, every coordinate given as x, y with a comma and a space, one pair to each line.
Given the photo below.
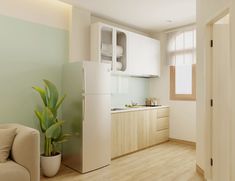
86, 111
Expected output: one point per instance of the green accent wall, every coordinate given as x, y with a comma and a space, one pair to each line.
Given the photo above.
22, 41
29, 52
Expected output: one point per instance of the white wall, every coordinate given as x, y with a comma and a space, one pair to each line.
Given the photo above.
207, 10
79, 23
47, 12
95, 19
182, 113
79, 34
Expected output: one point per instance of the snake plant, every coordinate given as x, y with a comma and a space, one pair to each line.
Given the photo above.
50, 125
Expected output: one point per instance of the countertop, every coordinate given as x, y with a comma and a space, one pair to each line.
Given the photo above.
138, 109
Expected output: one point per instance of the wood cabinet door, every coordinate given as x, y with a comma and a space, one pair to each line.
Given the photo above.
142, 119
129, 132
117, 136
153, 127
124, 134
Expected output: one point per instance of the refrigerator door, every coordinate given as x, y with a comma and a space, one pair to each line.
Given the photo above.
96, 78
96, 149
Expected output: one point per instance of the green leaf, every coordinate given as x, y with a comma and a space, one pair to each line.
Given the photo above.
42, 94
41, 120
60, 102
62, 141
48, 117
53, 93
55, 130
54, 112
62, 138
57, 133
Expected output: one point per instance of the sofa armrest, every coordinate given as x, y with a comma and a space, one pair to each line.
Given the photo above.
26, 150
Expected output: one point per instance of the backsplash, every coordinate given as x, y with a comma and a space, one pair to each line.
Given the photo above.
126, 89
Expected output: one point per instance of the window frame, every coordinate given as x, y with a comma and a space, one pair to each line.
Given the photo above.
182, 97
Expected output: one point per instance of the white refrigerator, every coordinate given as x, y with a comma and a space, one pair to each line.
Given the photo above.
86, 111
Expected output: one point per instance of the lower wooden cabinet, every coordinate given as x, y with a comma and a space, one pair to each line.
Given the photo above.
162, 123
153, 127
162, 136
142, 118
129, 131
124, 134
159, 126
117, 137
135, 130
162, 112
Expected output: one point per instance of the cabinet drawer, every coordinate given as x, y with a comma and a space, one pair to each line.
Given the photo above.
162, 123
162, 136
164, 112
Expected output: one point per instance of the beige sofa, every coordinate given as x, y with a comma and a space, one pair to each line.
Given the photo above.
24, 162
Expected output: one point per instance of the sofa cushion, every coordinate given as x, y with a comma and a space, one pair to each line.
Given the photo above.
11, 171
6, 140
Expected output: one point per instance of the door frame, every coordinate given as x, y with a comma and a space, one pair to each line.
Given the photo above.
209, 80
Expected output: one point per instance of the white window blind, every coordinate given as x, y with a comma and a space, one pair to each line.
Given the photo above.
183, 79
182, 47
182, 54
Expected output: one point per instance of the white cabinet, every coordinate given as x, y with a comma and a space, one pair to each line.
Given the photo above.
128, 53
143, 55
108, 45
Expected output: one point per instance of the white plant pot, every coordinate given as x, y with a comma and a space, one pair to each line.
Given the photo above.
50, 165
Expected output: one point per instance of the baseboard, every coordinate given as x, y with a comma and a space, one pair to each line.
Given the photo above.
200, 171
139, 150
183, 142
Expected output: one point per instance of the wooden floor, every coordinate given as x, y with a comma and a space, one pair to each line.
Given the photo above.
170, 161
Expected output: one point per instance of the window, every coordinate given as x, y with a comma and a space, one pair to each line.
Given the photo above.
182, 61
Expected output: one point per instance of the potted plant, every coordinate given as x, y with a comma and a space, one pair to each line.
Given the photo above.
51, 128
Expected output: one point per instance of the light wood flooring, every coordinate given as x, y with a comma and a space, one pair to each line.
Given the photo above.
169, 161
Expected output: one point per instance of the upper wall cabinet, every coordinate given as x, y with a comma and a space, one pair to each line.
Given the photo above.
128, 53
109, 45
143, 55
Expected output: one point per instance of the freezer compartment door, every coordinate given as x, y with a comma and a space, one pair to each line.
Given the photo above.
96, 78
96, 132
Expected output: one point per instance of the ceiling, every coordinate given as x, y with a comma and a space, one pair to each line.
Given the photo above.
146, 15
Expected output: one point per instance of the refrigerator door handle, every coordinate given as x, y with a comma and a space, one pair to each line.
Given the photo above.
84, 79
83, 108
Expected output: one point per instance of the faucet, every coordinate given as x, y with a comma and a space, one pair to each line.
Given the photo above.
134, 103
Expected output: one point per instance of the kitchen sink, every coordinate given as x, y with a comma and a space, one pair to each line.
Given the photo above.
118, 109
135, 106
